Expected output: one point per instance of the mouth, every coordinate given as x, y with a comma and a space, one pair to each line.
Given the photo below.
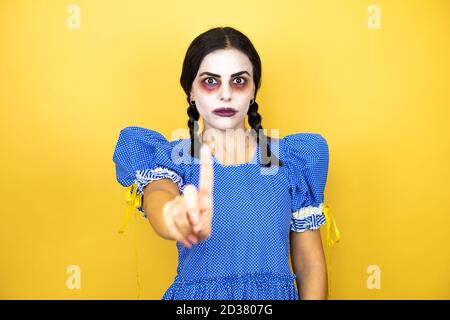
225, 112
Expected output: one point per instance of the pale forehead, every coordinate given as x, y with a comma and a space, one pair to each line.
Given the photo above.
225, 62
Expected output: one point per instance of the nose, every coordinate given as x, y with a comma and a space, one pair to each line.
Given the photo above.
225, 93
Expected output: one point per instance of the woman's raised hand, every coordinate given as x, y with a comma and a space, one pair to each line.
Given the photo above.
188, 217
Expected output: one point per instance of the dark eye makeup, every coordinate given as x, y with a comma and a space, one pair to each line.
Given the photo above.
210, 81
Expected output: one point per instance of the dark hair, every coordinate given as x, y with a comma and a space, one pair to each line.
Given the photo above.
207, 42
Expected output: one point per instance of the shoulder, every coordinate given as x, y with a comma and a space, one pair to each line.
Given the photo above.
140, 133
153, 135
144, 154
140, 145
305, 141
304, 148
139, 137
314, 143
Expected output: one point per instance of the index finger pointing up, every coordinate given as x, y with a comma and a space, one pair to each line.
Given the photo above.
206, 172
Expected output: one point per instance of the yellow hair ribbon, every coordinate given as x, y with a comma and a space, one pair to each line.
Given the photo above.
133, 201
330, 227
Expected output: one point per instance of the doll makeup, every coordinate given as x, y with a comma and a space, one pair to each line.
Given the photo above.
223, 88
211, 82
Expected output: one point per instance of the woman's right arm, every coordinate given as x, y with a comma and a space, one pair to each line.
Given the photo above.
156, 195
185, 218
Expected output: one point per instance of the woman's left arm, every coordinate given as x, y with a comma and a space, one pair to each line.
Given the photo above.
309, 264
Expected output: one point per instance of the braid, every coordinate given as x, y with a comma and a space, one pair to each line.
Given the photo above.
193, 128
254, 120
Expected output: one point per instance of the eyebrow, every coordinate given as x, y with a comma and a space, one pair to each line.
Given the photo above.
218, 76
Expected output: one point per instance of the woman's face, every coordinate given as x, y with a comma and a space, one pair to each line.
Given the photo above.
223, 81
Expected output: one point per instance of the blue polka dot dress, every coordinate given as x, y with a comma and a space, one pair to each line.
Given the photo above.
254, 209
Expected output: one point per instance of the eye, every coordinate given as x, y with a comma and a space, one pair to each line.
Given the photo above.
210, 81
241, 80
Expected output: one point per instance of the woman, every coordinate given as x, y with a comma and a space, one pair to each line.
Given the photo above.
234, 222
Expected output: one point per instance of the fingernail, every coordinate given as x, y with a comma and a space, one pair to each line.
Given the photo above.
198, 228
187, 244
192, 239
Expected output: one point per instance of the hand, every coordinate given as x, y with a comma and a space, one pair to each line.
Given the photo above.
188, 217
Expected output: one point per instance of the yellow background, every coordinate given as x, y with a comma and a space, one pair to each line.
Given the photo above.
379, 97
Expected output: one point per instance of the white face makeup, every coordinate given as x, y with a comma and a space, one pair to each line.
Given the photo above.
224, 80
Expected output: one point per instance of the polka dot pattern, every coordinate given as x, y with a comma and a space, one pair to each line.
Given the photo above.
255, 208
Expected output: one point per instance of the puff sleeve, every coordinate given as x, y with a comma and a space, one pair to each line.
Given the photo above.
307, 162
142, 156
